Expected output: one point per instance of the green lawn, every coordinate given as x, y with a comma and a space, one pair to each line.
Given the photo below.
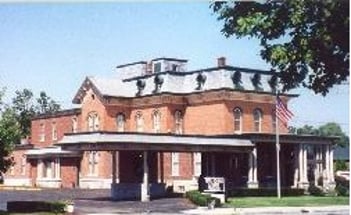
246, 202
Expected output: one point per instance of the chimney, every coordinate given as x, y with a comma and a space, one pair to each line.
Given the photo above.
221, 62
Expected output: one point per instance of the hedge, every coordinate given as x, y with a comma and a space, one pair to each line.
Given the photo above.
201, 199
35, 206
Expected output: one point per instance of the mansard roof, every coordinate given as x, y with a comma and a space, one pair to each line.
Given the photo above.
175, 82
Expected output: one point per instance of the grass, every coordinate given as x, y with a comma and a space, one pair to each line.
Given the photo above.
246, 202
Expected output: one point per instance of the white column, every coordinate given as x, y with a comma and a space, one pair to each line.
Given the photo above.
254, 152
300, 163
40, 168
145, 195
57, 168
327, 163
331, 164
250, 175
305, 179
296, 166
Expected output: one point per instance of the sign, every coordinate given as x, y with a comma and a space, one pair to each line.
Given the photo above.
215, 184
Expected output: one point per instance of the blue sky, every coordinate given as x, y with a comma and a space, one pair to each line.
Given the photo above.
53, 47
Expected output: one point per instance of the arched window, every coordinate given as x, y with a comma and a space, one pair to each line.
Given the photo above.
120, 120
139, 122
257, 117
178, 122
156, 121
74, 125
93, 122
93, 160
237, 120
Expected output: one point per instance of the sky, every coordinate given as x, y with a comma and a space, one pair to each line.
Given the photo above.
52, 47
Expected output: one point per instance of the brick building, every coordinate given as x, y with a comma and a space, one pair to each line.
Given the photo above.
155, 123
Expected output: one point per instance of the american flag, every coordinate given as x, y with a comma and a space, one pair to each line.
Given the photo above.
282, 112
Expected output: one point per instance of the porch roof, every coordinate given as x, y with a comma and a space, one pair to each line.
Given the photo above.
49, 152
103, 140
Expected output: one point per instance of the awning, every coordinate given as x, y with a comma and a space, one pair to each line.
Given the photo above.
106, 141
51, 152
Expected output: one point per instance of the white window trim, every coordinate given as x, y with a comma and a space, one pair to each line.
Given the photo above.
42, 132
240, 120
197, 163
54, 131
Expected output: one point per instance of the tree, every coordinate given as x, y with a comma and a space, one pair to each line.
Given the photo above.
23, 107
46, 105
306, 42
330, 129
9, 135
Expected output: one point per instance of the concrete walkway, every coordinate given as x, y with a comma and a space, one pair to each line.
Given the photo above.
321, 210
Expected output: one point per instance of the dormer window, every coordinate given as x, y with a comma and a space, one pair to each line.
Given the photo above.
157, 67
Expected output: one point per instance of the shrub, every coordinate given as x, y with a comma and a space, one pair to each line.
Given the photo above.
315, 191
341, 190
35, 206
201, 199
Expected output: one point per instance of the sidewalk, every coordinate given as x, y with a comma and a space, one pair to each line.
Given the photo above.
339, 210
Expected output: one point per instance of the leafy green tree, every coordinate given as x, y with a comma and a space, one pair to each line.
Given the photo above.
334, 129
330, 129
9, 135
45, 104
304, 41
23, 107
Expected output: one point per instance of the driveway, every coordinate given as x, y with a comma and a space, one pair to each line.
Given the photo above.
97, 201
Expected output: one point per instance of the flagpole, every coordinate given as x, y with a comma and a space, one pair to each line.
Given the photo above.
277, 145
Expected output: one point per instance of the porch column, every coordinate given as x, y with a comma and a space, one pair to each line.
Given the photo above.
145, 195
296, 166
330, 182
327, 166
305, 179
40, 168
331, 164
252, 174
57, 168
303, 182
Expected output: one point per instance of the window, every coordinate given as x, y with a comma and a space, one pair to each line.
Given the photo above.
74, 125
273, 121
48, 169
257, 115
54, 131
93, 163
120, 120
175, 163
23, 165
237, 120
93, 122
197, 163
42, 132
178, 121
139, 122
156, 121
157, 67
